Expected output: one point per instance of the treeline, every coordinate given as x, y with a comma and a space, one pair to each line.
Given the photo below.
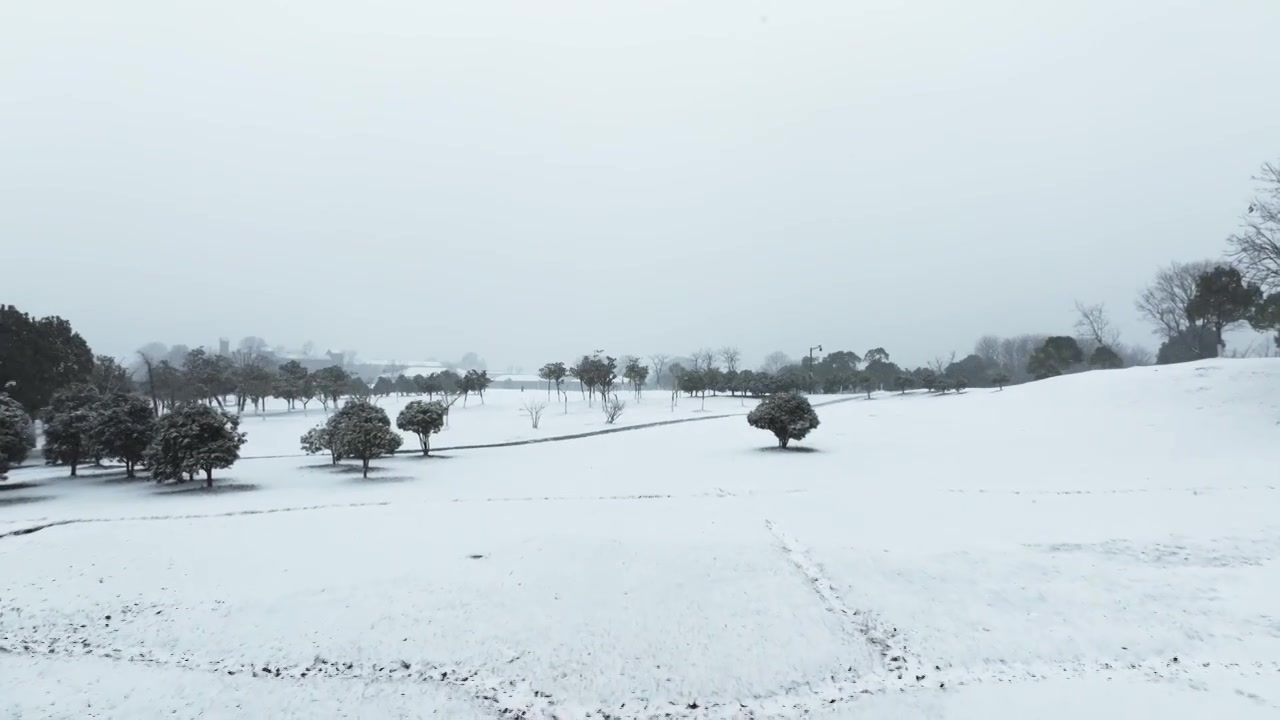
245, 377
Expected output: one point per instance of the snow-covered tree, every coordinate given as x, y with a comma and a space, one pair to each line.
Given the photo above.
1104, 358
69, 424
17, 433
358, 389
866, 384
554, 373
636, 373
290, 382
383, 386
363, 430
124, 427
902, 383
789, 416
423, 418
405, 386
194, 438
330, 384
108, 375
475, 381
320, 439
1000, 379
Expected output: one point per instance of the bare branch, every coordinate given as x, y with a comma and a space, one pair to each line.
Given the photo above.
731, 356
533, 409
1255, 250
1094, 325
1164, 301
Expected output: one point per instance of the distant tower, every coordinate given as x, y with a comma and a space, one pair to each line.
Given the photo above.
224, 346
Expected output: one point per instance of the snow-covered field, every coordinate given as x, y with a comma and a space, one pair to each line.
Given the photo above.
1099, 545
499, 418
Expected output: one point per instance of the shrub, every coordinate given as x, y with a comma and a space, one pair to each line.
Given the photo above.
789, 416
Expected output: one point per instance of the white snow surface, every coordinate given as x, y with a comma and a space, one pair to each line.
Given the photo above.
1100, 545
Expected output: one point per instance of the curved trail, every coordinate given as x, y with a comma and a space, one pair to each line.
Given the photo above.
562, 438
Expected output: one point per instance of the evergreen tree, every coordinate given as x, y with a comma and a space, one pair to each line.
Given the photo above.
866, 384
358, 389
1054, 357
383, 386
1000, 379
331, 384
69, 425
290, 379
362, 430
475, 381
1222, 299
404, 386
320, 439
1104, 358
194, 438
636, 373
39, 356
902, 383
1196, 342
109, 376
17, 433
124, 427
422, 418
789, 416
1266, 316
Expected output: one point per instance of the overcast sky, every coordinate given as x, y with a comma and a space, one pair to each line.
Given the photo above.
535, 180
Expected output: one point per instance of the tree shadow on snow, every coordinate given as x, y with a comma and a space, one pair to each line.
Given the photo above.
321, 466
375, 479
420, 456
7, 486
7, 501
198, 488
800, 449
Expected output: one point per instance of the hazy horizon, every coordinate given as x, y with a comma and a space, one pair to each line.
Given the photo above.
532, 182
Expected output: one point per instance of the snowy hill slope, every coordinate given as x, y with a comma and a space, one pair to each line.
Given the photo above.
1099, 545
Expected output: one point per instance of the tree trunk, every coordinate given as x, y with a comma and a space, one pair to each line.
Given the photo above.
208, 477
73, 468
128, 468
426, 444
365, 464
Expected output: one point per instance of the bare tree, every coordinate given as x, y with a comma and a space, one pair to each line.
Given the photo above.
939, 365
988, 348
1094, 325
533, 409
659, 362
613, 408
1164, 301
151, 382
253, 345
703, 359
730, 356
775, 361
1256, 248
1015, 353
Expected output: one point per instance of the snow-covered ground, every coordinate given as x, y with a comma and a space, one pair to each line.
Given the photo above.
500, 417
1100, 545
